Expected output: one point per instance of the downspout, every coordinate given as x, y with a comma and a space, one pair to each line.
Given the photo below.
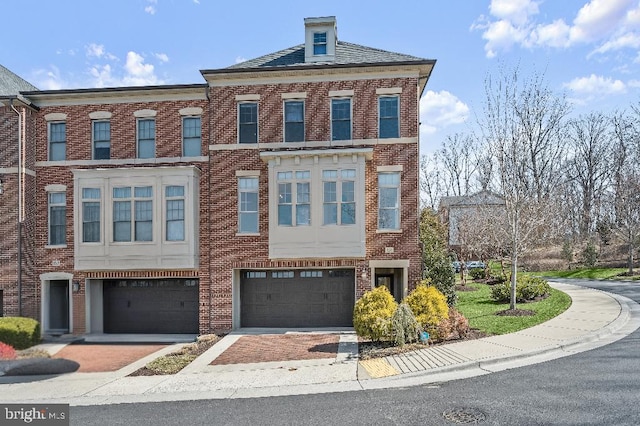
20, 207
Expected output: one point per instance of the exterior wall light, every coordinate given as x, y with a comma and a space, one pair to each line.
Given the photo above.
76, 286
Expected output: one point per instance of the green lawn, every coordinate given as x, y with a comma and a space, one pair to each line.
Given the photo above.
479, 309
588, 273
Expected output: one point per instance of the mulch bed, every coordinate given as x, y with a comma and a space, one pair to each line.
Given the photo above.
368, 349
460, 287
197, 348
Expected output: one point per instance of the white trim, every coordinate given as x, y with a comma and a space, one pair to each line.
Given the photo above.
388, 90
100, 115
125, 162
340, 93
144, 113
15, 170
55, 188
44, 298
249, 97
366, 152
294, 95
390, 169
191, 111
247, 173
391, 264
309, 144
56, 116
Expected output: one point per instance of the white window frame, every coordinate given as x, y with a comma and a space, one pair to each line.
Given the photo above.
199, 137
339, 179
51, 124
284, 119
138, 121
257, 122
251, 190
50, 206
172, 198
397, 118
294, 178
341, 98
93, 139
318, 44
398, 205
82, 213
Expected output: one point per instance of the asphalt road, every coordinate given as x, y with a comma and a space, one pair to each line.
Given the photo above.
597, 387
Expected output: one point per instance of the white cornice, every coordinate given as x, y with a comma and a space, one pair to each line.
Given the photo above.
123, 162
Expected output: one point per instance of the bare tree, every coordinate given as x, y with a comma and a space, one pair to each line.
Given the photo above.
626, 181
589, 168
458, 159
522, 126
431, 182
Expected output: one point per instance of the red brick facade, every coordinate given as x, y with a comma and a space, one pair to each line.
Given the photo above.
222, 250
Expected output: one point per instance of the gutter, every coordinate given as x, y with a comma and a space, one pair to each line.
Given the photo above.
20, 202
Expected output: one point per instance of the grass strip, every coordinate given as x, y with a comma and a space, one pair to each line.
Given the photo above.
478, 307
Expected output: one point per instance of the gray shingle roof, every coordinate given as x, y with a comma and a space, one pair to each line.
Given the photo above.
346, 54
11, 84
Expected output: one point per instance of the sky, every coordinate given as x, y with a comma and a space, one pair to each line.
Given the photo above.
588, 51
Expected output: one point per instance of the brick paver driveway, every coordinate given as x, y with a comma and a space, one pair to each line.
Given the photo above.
105, 357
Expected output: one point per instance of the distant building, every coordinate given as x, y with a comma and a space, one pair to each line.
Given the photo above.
273, 195
459, 211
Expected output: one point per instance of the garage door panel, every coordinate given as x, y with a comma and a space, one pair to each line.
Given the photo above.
150, 306
300, 300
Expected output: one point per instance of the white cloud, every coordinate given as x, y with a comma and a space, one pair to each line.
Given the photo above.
240, 59
162, 57
596, 85
609, 24
441, 109
102, 76
49, 79
138, 73
151, 7
96, 50
598, 19
516, 11
633, 83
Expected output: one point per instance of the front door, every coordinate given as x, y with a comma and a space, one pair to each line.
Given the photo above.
59, 306
386, 280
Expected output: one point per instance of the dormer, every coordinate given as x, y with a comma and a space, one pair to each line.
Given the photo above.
321, 37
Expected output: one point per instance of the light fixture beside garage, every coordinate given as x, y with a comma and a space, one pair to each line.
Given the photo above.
76, 286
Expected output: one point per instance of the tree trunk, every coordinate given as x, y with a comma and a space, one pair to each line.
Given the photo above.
631, 259
514, 271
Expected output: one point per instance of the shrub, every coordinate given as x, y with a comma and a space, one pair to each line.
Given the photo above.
428, 305
476, 273
590, 255
456, 326
7, 351
19, 332
404, 325
527, 289
372, 314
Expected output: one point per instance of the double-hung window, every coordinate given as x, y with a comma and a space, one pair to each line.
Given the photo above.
339, 203
57, 141
101, 140
294, 121
389, 201
142, 201
57, 218
174, 196
90, 215
341, 119
146, 138
191, 136
248, 205
320, 43
388, 111
248, 122
294, 198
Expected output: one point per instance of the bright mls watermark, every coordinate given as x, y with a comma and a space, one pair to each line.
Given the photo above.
37, 414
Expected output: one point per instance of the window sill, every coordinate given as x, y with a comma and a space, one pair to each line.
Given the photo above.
388, 231
247, 234
57, 246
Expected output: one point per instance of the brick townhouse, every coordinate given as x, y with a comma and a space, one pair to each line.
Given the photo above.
273, 195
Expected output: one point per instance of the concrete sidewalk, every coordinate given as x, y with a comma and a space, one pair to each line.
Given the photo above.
594, 319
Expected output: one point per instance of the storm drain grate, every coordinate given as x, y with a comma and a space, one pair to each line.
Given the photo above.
464, 415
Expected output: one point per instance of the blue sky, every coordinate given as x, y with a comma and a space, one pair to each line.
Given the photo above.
588, 50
